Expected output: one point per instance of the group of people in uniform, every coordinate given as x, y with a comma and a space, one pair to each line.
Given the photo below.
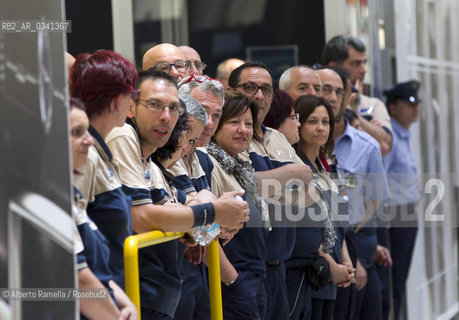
296, 180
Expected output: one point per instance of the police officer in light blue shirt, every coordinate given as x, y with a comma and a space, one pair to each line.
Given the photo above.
402, 104
360, 165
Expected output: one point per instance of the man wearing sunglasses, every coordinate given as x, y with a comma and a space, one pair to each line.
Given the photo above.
194, 60
167, 58
152, 117
273, 159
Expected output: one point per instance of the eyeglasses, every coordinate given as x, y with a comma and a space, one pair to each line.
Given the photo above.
295, 116
181, 66
327, 90
202, 79
199, 65
252, 88
157, 106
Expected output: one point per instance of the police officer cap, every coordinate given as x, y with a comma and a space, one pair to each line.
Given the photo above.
407, 91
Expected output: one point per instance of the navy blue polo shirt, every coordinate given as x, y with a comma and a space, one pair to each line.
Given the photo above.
271, 153
191, 174
247, 250
107, 203
96, 250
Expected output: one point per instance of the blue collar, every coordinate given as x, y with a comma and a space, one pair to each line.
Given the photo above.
347, 132
401, 131
77, 195
263, 128
309, 163
100, 144
169, 176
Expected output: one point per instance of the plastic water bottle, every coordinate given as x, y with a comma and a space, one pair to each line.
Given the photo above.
205, 234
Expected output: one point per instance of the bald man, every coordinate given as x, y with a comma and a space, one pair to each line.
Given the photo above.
194, 59
299, 81
225, 68
167, 58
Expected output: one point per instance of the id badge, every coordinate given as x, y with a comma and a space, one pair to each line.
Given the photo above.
350, 181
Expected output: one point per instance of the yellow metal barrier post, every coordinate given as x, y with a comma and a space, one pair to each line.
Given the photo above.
213, 261
132, 245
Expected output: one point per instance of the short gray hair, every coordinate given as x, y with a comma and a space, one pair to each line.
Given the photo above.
212, 85
285, 80
194, 108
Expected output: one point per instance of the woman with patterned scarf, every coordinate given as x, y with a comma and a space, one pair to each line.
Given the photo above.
244, 295
316, 135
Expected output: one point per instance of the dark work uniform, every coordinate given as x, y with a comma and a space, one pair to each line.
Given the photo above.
246, 297
274, 152
189, 176
106, 202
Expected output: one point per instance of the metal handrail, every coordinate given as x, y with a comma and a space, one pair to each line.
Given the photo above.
132, 245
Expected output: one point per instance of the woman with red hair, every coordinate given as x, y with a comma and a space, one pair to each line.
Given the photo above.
104, 81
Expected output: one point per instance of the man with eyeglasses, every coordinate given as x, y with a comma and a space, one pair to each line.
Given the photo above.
152, 117
349, 53
299, 81
358, 162
194, 60
272, 158
167, 58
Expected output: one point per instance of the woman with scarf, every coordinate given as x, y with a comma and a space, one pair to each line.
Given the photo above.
243, 294
316, 136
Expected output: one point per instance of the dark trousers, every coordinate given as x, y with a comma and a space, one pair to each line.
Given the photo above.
299, 295
346, 298
369, 298
384, 274
194, 300
402, 245
346, 303
245, 298
147, 314
322, 309
277, 307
